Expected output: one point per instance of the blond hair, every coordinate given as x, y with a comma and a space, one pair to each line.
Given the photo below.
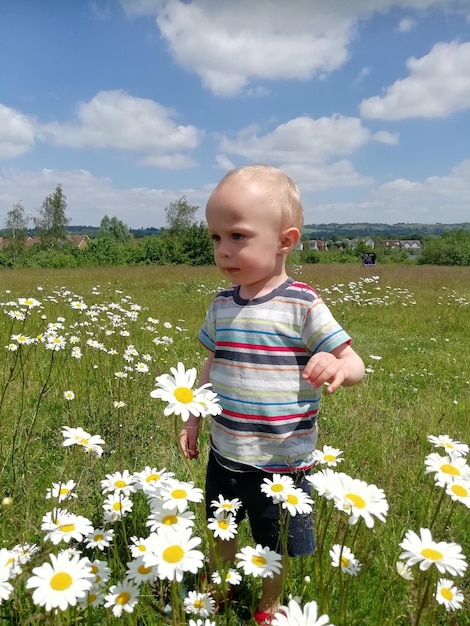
279, 191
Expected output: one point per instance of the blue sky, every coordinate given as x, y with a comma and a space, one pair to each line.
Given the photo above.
132, 104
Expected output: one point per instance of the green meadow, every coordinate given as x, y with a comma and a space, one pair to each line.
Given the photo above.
410, 324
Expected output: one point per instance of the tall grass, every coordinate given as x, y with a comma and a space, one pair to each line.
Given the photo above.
416, 319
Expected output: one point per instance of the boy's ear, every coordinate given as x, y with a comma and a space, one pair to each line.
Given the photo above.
289, 239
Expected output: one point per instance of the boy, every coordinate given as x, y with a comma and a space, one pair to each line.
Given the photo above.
272, 345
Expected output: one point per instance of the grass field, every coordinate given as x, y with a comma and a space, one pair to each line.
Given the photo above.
410, 324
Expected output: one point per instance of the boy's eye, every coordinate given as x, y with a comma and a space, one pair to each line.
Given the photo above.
237, 236
215, 237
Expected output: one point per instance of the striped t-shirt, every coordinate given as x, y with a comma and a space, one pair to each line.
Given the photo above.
261, 346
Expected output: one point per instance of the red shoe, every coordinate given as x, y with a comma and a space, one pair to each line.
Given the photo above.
263, 618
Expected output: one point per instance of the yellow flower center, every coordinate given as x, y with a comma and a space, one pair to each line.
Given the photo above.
184, 395
120, 484
142, 548
431, 554
459, 490
198, 604
123, 598
144, 570
223, 524
227, 506
292, 499
173, 554
277, 488
169, 520
61, 581
117, 506
259, 561
94, 569
83, 442
99, 537
344, 561
91, 598
447, 468
179, 494
329, 457
152, 478
67, 528
446, 593
64, 491
356, 500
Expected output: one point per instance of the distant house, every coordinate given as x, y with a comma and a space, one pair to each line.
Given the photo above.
410, 245
81, 241
317, 244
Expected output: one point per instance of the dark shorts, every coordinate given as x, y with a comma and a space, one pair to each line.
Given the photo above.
263, 513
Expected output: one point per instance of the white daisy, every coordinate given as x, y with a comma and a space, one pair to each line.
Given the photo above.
177, 493
197, 603
62, 491
328, 456
200, 622
341, 556
459, 490
259, 561
78, 436
100, 538
448, 594
150, 480
138, 546
294, 615
358, 499
116, 506
100, 571
122, 597
140, 572
325, 482
458, 448
95, 597
173, 518
174, 553
178, 392
277, 487
447, 557
223, 526
231, 576
24, 552
61, 582
70, 527
119, 482
446, 468
69, 395
404, 570
296, 501
223, 505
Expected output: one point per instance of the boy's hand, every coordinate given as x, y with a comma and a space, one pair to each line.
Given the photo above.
325, 367
188, 439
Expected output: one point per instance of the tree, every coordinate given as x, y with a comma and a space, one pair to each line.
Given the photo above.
52, 221
16, 225
114, 229
180, 215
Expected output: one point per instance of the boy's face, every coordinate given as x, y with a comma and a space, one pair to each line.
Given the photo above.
247, 238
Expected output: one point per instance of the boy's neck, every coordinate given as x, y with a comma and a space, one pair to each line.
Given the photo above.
260, 289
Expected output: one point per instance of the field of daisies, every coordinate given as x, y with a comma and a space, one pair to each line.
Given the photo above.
101, 518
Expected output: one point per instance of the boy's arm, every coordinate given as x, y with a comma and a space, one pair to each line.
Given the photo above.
341, 366
189, 434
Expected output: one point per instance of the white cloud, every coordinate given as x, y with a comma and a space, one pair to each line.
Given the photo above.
406, 24
303, 139
224, 162
230, 44
17, 133
89, 197
114, 119
438, 85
